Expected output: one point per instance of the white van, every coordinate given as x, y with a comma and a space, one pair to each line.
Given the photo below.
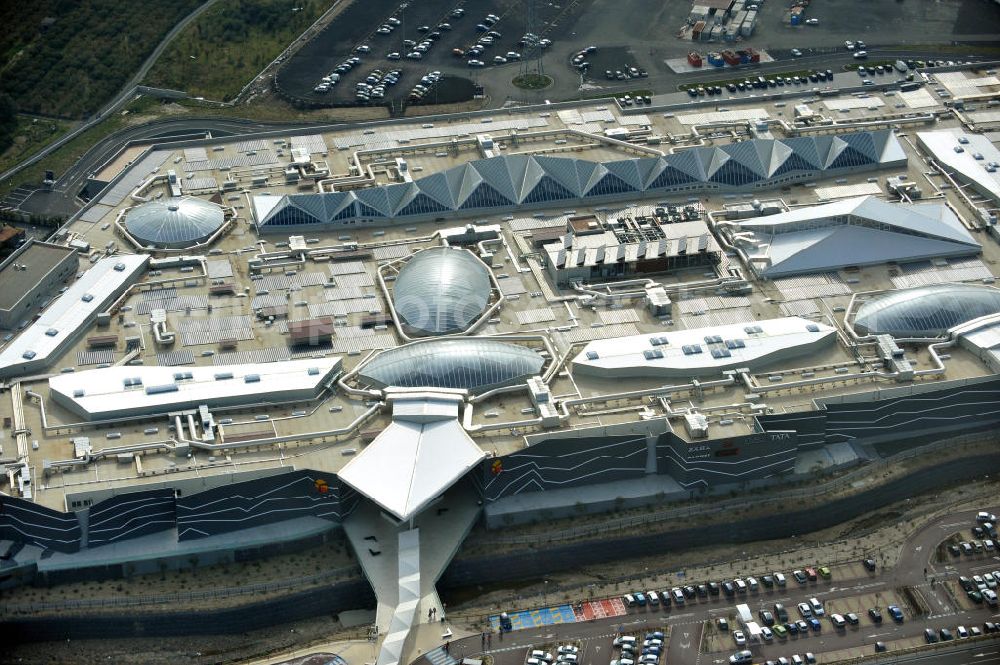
625, 639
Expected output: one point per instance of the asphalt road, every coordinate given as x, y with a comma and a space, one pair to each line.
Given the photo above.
686, 624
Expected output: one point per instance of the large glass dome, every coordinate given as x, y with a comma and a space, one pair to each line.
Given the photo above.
926, 311
174, 222
467, 363
441, 290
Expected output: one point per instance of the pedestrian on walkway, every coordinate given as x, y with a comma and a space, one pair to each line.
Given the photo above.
447, 645
489, 639
482, 640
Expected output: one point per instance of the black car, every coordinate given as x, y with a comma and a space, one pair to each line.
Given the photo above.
870, 564
731, 87
930, 636
689, 592
875, 614
954, 550
792, 628
692, 92
880, 647
766, 618
768, 581
729, 588
946, 635
702, 590
990, 627
713, 588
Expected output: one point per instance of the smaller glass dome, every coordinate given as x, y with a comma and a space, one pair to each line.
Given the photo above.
925, 311
465, 363
174, 222
441, 290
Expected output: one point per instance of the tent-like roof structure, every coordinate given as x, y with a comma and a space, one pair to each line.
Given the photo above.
510, 181
419, 455
174, 222
441, 290
926, 311
854, 232
466, 363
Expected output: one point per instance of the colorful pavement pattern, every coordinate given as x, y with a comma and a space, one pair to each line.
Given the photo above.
599, 609
545, 616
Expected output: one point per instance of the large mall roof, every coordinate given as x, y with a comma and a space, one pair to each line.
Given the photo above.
66, 316
441, 290
174, 222
115, 392
464, 363
508, 181
854, 232
957, 151
926, 311
702, 351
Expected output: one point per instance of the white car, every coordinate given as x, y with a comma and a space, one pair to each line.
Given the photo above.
812, 21
541, 655
652, 642
740, 638
364, 48
393, 56
962, 631
741, 657
568, 648
766, 633
567, 658
860, 55
796, 53
849, 45
476, 63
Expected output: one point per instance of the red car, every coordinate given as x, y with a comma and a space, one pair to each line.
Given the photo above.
811, 573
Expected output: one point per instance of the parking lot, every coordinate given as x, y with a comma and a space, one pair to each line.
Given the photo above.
847, 610
455, 37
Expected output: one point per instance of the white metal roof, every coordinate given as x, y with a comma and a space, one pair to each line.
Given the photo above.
71, 311
856, 231
419, 455
699, 351
111, 390
942, 146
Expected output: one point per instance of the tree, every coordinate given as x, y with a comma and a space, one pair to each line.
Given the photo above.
8, 121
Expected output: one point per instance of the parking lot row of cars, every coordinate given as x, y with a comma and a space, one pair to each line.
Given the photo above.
762, 82
568, 654
730, 588
633, 652
947, 634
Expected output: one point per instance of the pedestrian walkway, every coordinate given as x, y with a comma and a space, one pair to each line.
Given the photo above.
440, 657
600, 609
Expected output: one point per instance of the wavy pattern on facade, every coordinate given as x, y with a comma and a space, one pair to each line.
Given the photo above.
508, 181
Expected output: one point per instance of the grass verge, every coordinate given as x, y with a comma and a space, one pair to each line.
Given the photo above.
30, 136
532, 81
229, 44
